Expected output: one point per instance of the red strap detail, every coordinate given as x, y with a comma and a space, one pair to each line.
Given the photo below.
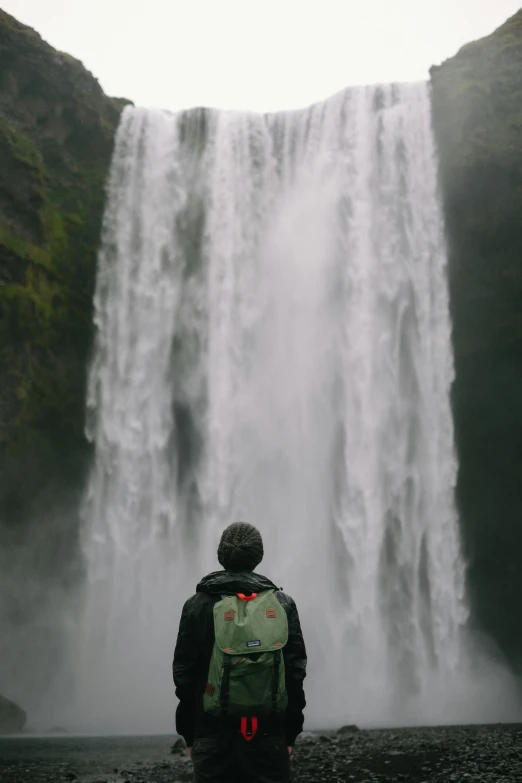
247, 597
244, 728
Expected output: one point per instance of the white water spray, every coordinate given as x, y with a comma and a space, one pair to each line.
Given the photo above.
273, 344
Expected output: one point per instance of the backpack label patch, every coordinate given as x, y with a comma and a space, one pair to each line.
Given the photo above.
230, 614
210, 689
271, 613
255, 643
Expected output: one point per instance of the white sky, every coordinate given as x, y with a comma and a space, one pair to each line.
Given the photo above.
256, 54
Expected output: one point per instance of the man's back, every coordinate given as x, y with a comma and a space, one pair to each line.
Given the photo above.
220, 752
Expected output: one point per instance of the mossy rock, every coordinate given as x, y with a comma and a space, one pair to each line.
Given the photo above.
57, 133
12, 717
56, 138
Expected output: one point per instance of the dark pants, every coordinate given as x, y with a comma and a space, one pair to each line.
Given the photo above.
229, 758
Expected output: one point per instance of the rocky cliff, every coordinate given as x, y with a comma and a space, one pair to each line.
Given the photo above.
12, 717
477, 98
56, 138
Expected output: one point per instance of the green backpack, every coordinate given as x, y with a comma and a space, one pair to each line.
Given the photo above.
247, 672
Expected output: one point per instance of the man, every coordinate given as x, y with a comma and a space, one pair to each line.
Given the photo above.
223, 745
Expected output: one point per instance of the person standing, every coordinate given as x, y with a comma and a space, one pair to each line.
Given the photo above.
238, 668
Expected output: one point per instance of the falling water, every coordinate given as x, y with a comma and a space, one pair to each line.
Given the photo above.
273, 344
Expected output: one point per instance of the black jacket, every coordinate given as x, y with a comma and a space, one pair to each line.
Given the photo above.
194, 649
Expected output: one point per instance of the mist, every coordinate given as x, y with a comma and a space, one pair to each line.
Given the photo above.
273, 344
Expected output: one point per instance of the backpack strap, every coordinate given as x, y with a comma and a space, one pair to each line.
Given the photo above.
225, 684
275, 679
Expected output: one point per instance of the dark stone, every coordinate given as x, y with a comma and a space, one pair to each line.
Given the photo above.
178, 746
347, 730
325, 739
12, 717
307, 738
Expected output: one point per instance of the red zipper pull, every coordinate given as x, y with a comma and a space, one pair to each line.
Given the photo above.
249, 735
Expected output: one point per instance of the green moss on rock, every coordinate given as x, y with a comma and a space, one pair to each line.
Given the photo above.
56, 137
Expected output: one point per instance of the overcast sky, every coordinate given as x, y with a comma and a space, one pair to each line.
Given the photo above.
256, 54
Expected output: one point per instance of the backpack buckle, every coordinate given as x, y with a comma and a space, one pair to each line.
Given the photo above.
248, 732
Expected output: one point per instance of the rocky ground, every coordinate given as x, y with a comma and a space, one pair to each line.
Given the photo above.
483, 754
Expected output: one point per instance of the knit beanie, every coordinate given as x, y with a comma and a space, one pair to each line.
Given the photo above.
240, 548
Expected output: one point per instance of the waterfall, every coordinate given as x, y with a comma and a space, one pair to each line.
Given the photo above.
273, 345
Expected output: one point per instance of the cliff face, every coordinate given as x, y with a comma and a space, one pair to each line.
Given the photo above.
56, 138
477, 98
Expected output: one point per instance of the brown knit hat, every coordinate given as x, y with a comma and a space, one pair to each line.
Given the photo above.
240, 548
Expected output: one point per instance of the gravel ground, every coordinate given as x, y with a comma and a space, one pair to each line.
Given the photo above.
460, 754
